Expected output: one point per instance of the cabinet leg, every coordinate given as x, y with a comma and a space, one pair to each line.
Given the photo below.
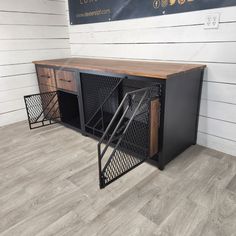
161, 167
84, 134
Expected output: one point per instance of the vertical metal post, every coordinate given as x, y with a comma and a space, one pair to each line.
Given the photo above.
80, 101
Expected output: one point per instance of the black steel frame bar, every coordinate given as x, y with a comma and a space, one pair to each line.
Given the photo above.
123, 134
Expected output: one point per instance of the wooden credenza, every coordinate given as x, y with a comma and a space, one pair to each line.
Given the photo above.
143, 111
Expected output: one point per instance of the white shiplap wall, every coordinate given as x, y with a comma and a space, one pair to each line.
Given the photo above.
29, 30
178, 38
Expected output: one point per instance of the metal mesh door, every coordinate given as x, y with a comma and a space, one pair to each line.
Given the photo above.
42, 109
129, 142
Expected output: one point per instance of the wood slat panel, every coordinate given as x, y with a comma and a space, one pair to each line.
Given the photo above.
11, 105
37, 6
14, 57
195, 33
201, 52
27, 32
27, 44
12, 70
218, 110
19, 93
219, 92
17, 18
12, 117
217, 128
217, 143
20, 81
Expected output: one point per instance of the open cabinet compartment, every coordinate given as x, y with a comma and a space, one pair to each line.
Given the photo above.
101, 97
69, 109
51, 107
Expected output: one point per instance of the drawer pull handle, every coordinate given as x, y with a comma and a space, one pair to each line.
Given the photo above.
45, 76
64, 80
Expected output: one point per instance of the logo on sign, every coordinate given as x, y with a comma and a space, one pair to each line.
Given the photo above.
156, 4
181, 2
172, 2
164, 3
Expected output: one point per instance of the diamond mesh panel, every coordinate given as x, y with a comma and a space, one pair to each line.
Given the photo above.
42, 109
98, 90
131, 147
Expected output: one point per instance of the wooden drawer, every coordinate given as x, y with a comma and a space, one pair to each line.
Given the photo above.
45, 88
46, 76
66, 80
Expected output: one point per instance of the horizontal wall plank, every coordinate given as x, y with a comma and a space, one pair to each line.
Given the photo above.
188, 18
218, 110
217, 128
27, 44
9, 83
38, 6
202, 52
195, 33
224, 73
14, 57
219, 92
34, 32
19, 18
217, 143
11, 70
12, 106
12, 117
15, 94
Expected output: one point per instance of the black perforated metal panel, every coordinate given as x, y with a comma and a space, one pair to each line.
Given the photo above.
101, 99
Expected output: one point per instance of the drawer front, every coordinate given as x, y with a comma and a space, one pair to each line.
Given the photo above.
46, 76
66, 80
45, 88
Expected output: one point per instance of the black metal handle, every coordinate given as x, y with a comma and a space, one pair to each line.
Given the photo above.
45, 76
64, 80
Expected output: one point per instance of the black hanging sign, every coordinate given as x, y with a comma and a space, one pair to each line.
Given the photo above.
91, 11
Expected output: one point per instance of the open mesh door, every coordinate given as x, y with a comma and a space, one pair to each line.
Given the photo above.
128, 142
42, 109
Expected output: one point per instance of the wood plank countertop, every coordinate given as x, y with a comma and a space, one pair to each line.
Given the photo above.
149, 69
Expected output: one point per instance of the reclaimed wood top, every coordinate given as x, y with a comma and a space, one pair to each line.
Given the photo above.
149, 69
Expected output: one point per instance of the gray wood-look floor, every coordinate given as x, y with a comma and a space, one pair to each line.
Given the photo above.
49, 186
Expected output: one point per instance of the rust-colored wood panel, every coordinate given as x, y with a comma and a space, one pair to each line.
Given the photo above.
45, 88
46, 76
154, 126
149, 69
66, 80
